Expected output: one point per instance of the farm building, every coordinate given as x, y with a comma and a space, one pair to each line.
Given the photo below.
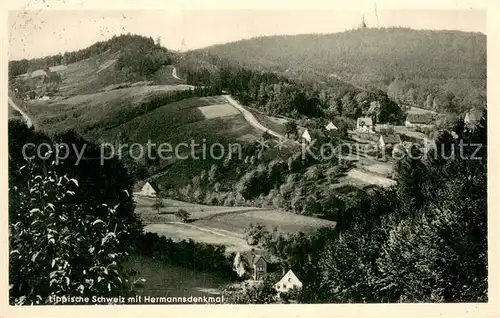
256, 263
425, 120
148, 190
388, 141
364, 124
306, 136
331, 126
288, 282
310, 135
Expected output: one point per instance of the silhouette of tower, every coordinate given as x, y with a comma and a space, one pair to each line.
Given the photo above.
363, 24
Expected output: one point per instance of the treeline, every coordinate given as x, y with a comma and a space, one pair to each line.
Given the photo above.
141, 56
423, 240
421, 62
189, 254
279, 95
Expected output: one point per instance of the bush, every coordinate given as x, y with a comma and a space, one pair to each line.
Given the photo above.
158, 205
183, 215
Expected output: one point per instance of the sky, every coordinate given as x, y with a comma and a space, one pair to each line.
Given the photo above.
38, 33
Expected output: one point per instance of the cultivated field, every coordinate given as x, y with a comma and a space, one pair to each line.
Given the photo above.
220, 225
219, 110
370, 178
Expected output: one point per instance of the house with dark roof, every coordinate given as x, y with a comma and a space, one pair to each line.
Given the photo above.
255, 265
425, 120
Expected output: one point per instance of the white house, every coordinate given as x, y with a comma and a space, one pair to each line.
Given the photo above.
364, 124
306, 136
331, 126
288, 282
148, 190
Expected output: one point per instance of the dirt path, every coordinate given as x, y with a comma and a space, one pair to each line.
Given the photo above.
209, 230
174, 74
250, 118
28, 120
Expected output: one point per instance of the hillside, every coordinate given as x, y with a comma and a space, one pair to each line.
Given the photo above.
124, 58
411, 65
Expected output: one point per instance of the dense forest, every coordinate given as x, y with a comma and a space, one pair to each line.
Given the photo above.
441, 70
423, 240
279, 95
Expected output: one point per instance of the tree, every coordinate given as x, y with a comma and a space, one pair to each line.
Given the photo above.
158, 205
57, 246
238, 266
266, 135
183, 215
254, 233
291, 128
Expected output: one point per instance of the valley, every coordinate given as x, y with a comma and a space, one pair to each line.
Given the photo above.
243, 162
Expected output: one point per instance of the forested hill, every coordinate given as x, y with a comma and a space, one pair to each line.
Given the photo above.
433, 69
139, 54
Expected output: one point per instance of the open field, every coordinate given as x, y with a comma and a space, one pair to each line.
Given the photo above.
214, 236
220, 225
219, 110
89, 75
197, 211
284, 221
370, 178
170, 280
90, 109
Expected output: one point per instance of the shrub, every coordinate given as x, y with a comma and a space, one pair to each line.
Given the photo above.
183, 215
158, 205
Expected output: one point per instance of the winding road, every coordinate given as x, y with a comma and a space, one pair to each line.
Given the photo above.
174, 74
250, 118
28, 120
